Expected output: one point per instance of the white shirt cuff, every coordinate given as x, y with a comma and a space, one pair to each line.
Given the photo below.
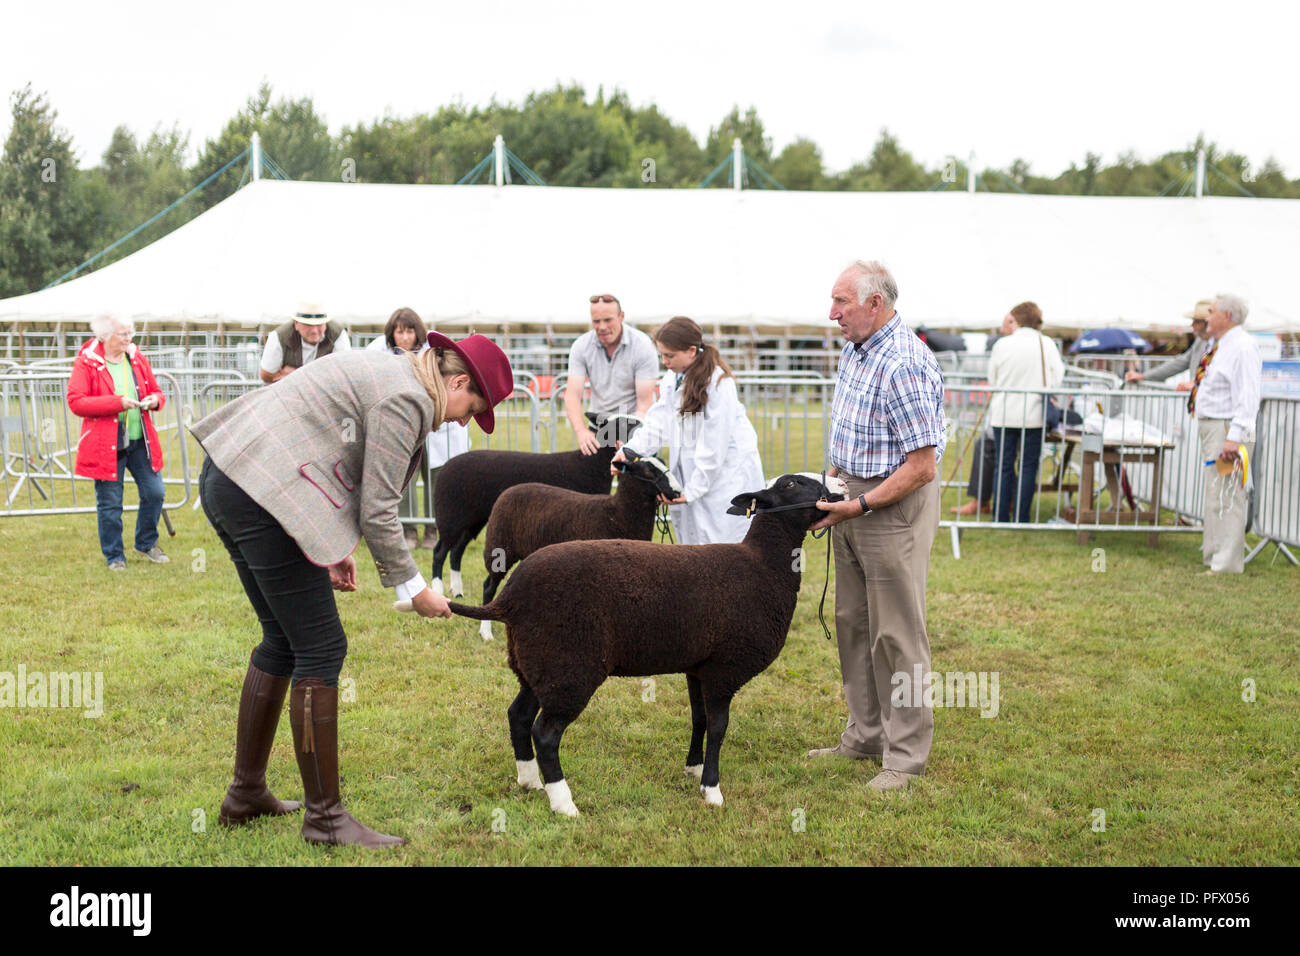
407, 590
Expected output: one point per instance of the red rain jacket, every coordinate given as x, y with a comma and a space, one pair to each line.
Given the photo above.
91, 397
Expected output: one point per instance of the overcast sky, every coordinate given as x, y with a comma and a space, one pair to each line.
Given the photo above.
1040, 81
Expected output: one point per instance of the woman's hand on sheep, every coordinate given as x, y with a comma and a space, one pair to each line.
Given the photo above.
343, 576
614, 462
664, 499
429, 603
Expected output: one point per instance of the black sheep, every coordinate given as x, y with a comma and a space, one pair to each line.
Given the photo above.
579, 612
469, 485
527, 518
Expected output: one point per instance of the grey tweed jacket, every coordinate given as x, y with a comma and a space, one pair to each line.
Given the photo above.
328, 451
1179, 363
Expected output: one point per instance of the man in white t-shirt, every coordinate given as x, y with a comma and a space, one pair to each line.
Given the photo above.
308, 336
620, 362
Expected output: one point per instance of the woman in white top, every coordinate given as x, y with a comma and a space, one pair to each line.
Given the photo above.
406, 332
1025, 359
712, 447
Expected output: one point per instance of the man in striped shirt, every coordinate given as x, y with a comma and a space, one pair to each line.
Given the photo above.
1225, 400
886, 439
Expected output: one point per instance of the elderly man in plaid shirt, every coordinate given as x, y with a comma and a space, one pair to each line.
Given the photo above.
886, 439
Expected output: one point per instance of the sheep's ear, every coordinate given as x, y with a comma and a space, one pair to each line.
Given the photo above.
593, 418
629, 454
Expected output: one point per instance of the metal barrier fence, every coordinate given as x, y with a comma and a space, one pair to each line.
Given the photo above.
36, 345
1146, 464
39, 437
1143, 473
1277, 476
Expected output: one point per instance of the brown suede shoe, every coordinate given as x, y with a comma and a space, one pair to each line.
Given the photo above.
972, 507
259, 713
314, 716
430, 540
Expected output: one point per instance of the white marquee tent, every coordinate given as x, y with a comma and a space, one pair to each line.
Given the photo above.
487, 255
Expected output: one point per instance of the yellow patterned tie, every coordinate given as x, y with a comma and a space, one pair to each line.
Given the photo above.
1200, 374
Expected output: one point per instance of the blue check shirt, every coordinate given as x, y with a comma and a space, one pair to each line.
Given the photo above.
888, 402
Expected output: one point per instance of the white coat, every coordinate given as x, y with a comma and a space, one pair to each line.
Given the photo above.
1024, 359
713, 453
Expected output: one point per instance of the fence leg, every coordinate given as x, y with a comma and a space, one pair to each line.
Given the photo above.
956, 542
1281, 549
1254, 552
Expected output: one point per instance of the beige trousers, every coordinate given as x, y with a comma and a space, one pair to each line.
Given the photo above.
1223, 544
882, 561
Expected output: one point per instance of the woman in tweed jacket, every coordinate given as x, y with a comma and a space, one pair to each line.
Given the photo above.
296, 474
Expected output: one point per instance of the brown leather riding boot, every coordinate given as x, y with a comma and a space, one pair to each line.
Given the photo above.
259, 713
314, 717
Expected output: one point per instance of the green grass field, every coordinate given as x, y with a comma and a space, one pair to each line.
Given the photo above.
1121, 691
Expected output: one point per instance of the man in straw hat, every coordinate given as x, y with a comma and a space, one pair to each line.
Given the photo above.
1190, 358
307, 336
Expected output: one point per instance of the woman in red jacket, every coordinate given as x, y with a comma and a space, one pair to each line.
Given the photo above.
113, 390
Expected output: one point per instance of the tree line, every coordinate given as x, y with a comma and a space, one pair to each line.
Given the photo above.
54, 214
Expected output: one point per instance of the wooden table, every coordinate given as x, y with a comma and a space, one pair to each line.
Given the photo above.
1113, 456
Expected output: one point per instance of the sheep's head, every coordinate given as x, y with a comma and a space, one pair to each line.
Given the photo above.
612, 430
650, 468
797, 492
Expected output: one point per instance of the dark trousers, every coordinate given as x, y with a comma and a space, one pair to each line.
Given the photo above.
302, 635
1015, 495
983, 470
108, 499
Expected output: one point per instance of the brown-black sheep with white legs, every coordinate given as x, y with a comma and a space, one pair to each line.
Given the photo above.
579, 612
527, 518
469, 485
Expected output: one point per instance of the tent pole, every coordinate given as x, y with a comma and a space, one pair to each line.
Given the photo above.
737, 163
255, 157
1200, 172
499, 160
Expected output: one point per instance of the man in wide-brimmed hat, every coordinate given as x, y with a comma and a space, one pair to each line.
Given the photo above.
1189, 359
309, 335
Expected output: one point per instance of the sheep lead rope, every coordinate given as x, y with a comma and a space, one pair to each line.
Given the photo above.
826, 583
662, 524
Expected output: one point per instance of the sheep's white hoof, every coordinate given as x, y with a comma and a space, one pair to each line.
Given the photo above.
437, 587
561, 799
529, 778
712, 796
695, 770
485, 630
456, 589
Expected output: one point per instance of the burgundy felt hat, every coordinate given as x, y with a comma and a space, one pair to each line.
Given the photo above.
489, 368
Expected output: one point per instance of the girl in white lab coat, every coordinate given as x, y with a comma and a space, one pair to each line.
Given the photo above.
712, 447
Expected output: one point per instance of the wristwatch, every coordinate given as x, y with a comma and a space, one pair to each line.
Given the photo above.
862, 500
